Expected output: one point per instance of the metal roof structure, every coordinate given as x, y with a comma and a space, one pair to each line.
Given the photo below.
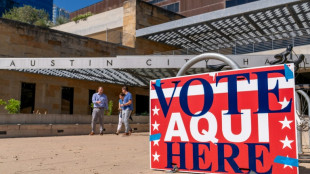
99, 75
257, 22
131, 77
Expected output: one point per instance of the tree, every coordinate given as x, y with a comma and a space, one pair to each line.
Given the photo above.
29, 15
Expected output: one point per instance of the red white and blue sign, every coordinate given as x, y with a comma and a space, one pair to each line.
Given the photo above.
225, 122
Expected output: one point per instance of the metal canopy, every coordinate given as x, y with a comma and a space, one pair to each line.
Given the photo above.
256, 22
130, 77
99, 75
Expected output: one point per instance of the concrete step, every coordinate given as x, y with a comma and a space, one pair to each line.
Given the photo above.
41, 130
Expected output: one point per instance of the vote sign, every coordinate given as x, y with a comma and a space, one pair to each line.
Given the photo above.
225, 122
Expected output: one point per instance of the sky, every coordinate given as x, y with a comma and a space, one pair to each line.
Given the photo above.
73, 5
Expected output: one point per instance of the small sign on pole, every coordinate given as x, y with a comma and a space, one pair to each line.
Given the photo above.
225, 122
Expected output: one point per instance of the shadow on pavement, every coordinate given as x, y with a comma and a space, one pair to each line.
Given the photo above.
304, 170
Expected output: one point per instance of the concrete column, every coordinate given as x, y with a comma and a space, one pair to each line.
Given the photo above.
129, 23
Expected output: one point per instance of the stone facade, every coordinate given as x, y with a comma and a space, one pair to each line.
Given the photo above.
26, 125
22, 40
48, 91
193, 7
139, 14
121, 29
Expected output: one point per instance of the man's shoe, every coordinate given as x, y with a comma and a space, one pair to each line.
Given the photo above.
101, 133
92, 133
126, 134
116, 133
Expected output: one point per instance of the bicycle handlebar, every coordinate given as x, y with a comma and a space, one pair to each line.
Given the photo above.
282, 58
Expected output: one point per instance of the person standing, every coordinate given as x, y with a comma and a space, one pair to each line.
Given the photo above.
100, 102
120, 108
127, 109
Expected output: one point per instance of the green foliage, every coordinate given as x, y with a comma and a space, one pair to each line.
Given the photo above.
28, 15
82, 17
2, 102
110, 108
144, 114
61, 20
12, 105
92, 105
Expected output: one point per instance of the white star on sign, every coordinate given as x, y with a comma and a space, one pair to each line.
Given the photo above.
156, 157
287, 165
286, 143
286, 123
284, 103
155, 126
155, 110
156, 142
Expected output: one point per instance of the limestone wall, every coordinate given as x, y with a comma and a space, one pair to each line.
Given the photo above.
48, 91
97, 23
22, 40
137, 15
29, 125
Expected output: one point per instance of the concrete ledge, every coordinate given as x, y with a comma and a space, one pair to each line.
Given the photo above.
60, 119
40, 130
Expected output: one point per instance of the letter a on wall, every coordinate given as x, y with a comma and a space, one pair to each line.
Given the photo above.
225, 122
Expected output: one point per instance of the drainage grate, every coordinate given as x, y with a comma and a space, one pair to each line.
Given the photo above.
2, 132
60, 131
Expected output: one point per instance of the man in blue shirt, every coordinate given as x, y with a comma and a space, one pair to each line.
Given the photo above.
100, 102
127, 109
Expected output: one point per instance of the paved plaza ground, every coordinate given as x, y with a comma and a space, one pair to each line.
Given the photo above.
80, 155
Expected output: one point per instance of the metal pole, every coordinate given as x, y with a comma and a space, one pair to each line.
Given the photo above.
305, 95
235, 47
253, 45
298, 111
207, 56
272, 41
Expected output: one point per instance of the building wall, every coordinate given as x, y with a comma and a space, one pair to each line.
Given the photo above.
48, 91
114, 35
22, 40
137, 15
99, 7
94, 24
186, 7
59, 12
121, 29
192, 7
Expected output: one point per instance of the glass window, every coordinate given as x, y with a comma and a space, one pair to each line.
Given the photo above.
231, 3
155, 1
142, 103
67, 94
90, 96
172, 7
28, 91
